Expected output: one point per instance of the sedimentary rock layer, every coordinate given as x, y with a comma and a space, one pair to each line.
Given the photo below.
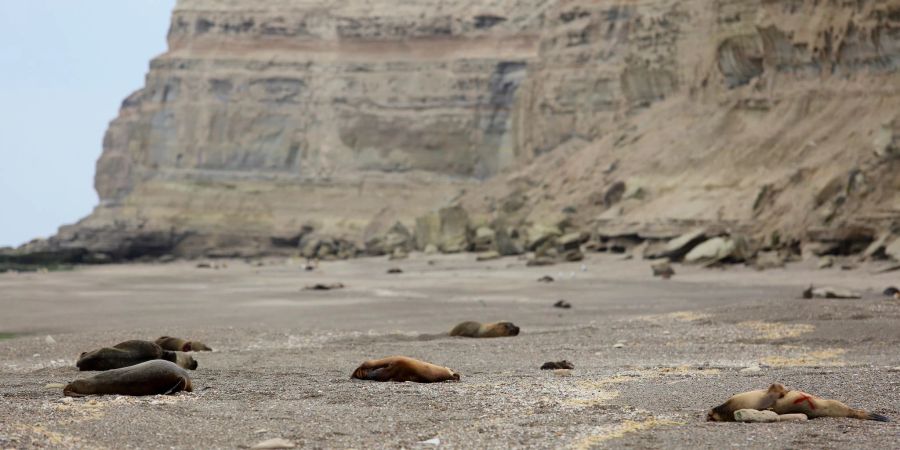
780, 117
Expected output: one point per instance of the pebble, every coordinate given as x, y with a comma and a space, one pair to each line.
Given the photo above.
66, 400
55, 386
49, 339
619, 345
432, 441
274, 443
751, 369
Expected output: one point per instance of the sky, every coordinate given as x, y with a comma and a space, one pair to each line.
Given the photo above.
65, 67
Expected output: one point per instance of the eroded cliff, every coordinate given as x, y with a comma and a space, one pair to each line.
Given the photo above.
775, 117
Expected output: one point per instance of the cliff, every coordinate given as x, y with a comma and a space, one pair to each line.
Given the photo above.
265, 121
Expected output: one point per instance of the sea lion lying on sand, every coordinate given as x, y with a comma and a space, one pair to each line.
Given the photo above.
148, 378
784, 401
485, 330
129, 353
402, 368
180, 345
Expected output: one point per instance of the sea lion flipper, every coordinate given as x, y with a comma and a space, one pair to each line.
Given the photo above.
179, 386
879, 417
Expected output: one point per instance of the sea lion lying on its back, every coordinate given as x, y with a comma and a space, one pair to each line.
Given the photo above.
180, 345
129, 353
402, 368
785, 401
485, 330
148, 378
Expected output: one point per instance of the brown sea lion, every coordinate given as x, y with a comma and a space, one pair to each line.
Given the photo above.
180, 345
402, 368
129, 353
554, 365
485, 330
784, 401
148, 378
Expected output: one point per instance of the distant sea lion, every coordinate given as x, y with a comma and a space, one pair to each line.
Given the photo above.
785, 401
485, 330
545, 279
181, 345
147, 378
562, 304
892, 292
402, 368
393, 270
324, 286
558, 365
129, 353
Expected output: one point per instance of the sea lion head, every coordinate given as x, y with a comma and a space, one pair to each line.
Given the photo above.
721, 413
196, 346
511, 329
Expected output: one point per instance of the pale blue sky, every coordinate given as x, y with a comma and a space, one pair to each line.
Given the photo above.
65, 67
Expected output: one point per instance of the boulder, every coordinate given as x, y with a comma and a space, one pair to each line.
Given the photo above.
769, 260
680, 246
506, 243
892, 250
483, 240
488, 256
447, 229
398, 236
572, 241
539, 234
711, 250
662, 269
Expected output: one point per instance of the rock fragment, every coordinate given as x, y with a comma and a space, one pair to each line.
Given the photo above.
324, 286
562, 304
274, 444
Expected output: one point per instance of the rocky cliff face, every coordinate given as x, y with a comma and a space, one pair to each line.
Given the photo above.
779, 117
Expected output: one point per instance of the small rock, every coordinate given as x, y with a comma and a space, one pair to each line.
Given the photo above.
752, 415
432, 441
49, 339
487, 256
825, 262
36, 355
66, 400
563, 372
562, 304
552, 365
663, 269
395, 270
619, 345
54, 386
274, 443
751, 369
204, 265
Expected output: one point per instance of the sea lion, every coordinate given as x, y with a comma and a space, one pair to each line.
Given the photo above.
761, 399
485, 330
562, 304
545, 279
402, 368
324, 286
785, 401
147, 378
892, 292
554, 365
129, 353
180, 345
